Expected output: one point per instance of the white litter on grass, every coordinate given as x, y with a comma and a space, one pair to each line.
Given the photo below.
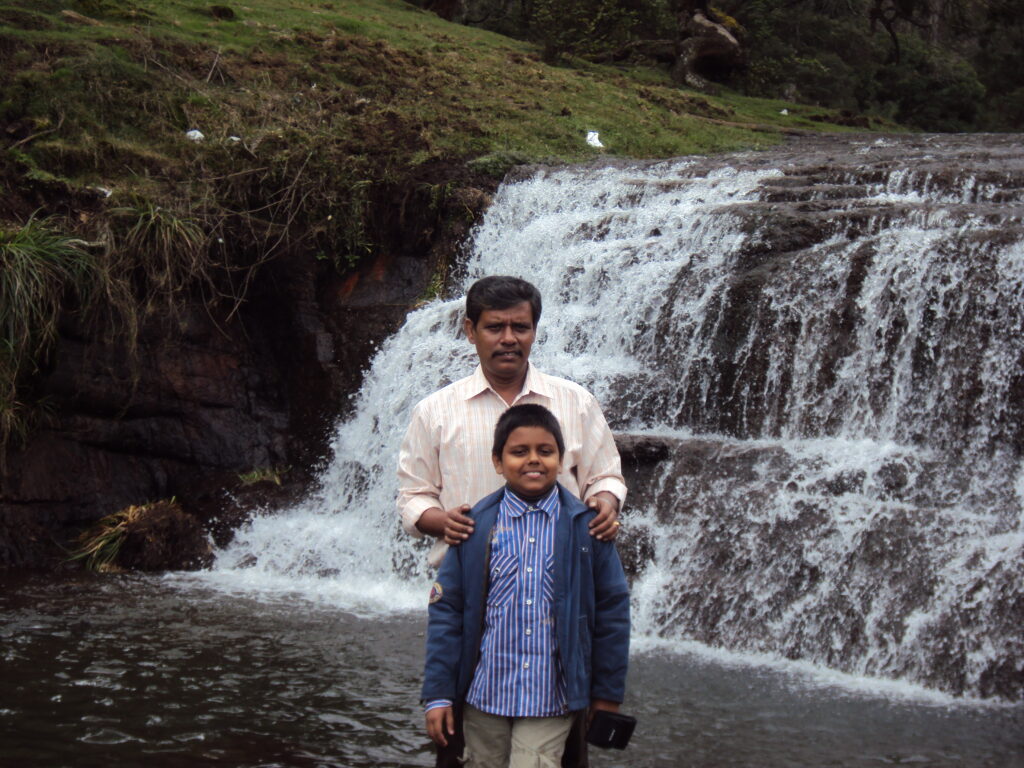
234, 139
594, 140
783, 111
194, 135
105, 191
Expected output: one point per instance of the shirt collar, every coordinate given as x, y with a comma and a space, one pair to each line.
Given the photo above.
515, 506
477, 383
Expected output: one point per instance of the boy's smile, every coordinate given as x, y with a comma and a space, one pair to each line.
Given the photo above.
529, 462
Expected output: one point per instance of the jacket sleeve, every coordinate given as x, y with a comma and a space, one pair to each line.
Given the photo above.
610, 648
444, 630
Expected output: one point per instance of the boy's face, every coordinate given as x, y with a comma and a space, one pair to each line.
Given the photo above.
529, 461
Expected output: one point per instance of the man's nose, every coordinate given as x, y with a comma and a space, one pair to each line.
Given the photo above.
507, 336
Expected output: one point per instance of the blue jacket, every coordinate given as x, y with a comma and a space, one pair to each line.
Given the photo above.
591, 609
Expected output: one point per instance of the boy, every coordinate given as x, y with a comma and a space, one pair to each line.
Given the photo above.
529, 617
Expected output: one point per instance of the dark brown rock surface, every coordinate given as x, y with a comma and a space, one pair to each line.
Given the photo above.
207, 394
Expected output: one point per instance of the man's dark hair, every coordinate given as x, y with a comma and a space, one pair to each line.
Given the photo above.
501, 292
526, 415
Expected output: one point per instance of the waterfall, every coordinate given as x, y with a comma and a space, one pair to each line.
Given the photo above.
825, 346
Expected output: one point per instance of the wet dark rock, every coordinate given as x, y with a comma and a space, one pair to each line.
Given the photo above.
210, 393
772, 551
164, 537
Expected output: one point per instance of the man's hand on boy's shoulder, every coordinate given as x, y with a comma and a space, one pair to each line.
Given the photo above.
440, 725
451, 525
605, 526
458, 526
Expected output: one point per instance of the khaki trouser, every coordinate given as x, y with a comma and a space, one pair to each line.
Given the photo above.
514, 742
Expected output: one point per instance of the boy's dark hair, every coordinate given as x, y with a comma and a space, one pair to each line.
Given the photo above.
501, 292
526, 415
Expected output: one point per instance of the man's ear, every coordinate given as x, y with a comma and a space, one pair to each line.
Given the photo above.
496, 461
467, 328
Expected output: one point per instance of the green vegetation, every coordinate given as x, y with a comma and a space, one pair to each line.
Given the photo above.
263, 475
99, 545
323, 123
38, 267
932, 64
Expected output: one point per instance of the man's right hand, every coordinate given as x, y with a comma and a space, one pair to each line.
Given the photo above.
453, 525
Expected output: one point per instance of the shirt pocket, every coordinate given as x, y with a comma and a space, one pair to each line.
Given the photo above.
504, 574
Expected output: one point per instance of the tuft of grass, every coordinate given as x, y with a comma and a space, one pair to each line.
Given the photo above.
167, 248
99, 545
263, 475
39, 267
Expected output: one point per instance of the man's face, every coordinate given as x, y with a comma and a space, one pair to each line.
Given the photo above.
503, 338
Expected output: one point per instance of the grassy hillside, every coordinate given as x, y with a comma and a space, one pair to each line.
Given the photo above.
109, 94
327, 128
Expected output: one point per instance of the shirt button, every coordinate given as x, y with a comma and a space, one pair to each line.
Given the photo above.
532, 539
526, 665
529, 631
529, 602
529, 570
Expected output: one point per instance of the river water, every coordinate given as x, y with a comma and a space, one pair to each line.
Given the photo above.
166, 672
829, 342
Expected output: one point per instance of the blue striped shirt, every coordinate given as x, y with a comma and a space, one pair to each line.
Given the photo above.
519, 673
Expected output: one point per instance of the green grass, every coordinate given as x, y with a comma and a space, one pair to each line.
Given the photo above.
39, 267
156, 69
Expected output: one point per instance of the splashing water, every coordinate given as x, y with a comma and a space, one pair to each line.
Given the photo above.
832, 352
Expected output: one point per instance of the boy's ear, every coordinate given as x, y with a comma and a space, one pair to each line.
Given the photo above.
496, 460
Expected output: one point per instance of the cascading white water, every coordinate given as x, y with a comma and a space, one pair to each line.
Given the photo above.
849, 345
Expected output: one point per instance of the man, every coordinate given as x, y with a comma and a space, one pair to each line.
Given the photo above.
444, 465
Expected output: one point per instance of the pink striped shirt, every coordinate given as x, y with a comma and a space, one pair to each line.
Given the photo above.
445, 458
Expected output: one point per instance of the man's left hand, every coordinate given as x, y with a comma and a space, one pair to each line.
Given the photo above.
596, 704
605, 526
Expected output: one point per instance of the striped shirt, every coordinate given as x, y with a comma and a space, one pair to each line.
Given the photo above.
445, 458
519, 673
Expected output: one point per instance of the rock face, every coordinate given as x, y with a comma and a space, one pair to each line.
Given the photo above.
205, 395
771, 548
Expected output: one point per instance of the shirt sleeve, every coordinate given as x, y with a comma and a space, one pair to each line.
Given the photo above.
599, 468
419, 472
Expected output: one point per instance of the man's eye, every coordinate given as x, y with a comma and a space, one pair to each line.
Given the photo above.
521, 328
